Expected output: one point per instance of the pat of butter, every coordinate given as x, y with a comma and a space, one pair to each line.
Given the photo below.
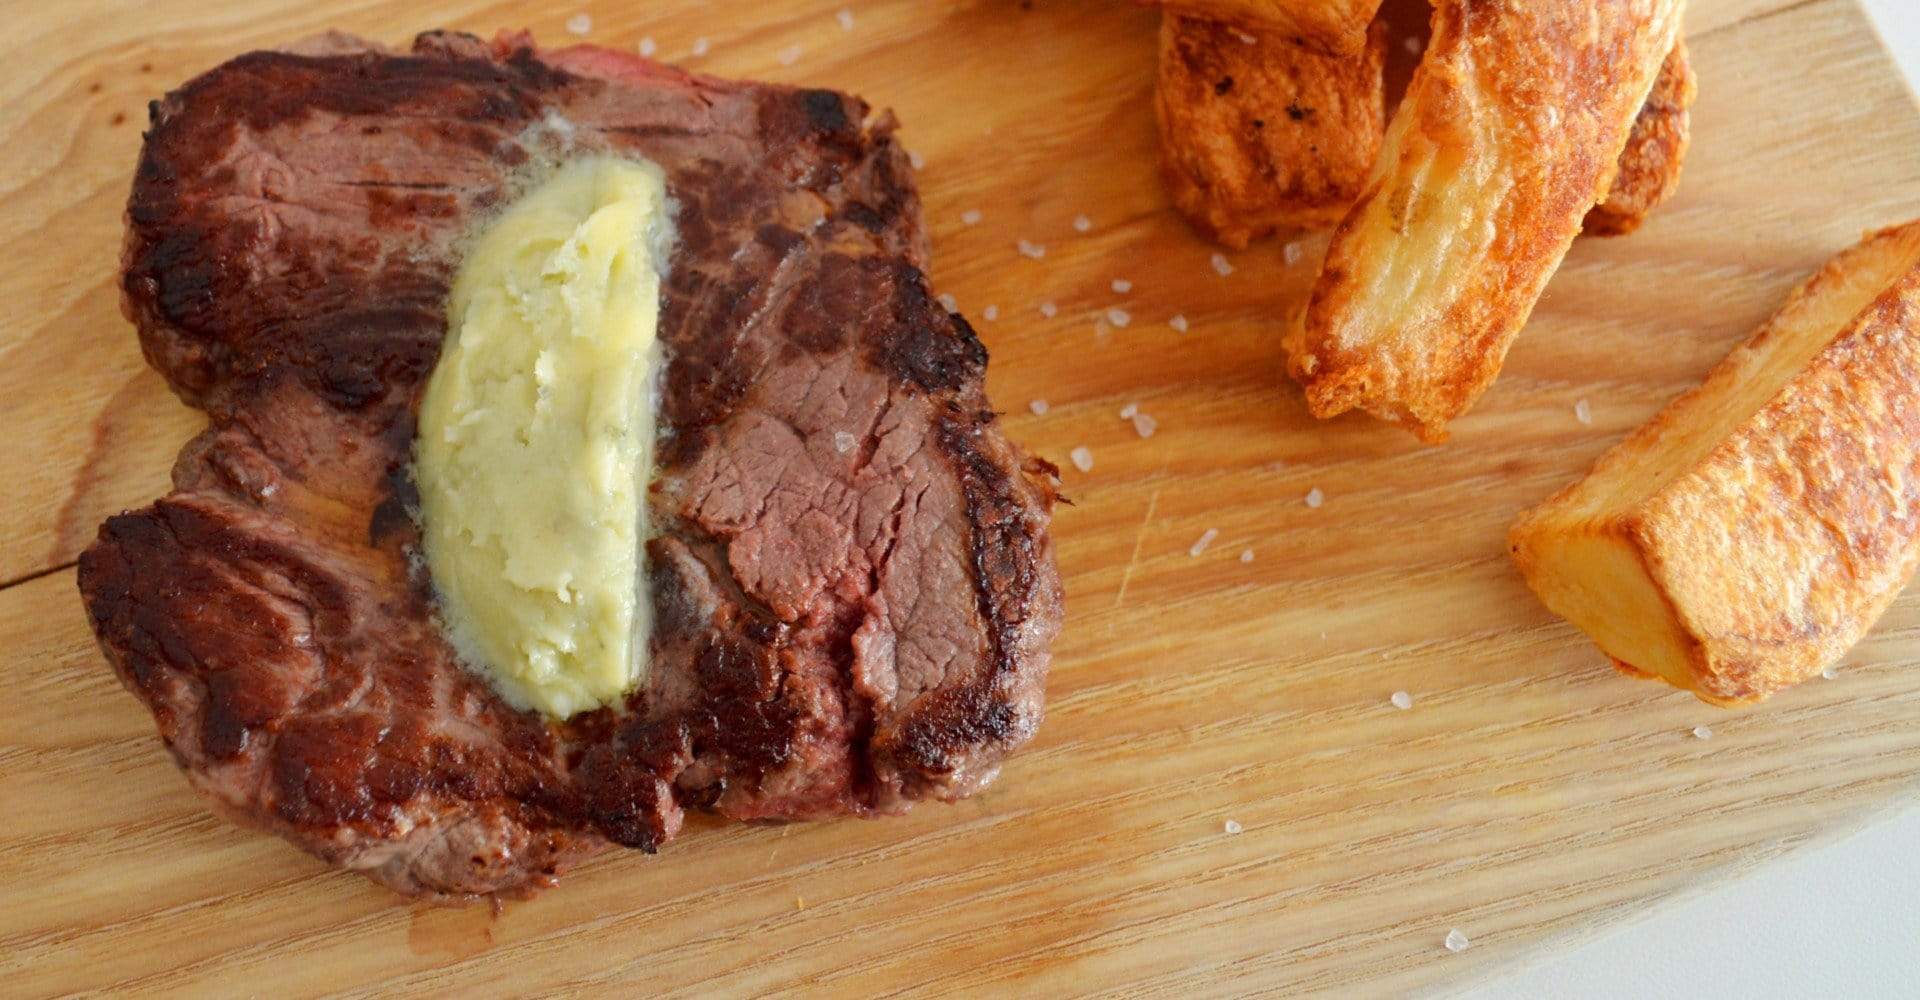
535, 438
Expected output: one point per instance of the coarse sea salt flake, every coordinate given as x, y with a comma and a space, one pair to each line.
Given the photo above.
1206, 539
990, 313
580, 24
1583, 413
790, 55
1246, 556
701, 45
1178, 322
1401, 700
1221, 265
843, 442
1315, 498
1030, 249
1122, 286
1292, 252
916, 160
1232, 826
971, 216
1127, 411
1830, 673
1039, 407
1413, 45
1457, 942
648, 46
1702, 733
948, 302
1119, 317
1082, 224
845, 17
1049, 310
1144, 425
1082, 458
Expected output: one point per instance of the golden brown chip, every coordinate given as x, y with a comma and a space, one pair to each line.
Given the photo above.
1330, 25
1756, 528
1510, 132
1650, 165
1265, 135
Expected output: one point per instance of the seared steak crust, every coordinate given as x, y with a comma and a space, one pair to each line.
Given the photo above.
853, 584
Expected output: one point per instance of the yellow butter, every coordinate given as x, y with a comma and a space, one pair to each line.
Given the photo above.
535, 438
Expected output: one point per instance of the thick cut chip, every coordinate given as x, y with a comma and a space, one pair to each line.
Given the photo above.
1268, 135
1756, 528
1510, 132
1650, 165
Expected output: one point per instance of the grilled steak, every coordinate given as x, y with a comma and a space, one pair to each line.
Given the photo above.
853, 583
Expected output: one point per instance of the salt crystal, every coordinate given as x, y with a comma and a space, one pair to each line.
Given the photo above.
916, 160
971, 216
1401, 700
1082, 224
948, 302
1246, 38
1119, 317
1179, 323
647, 46
843, 442
1127, 411
1222, 266
1246, 556
1232, 826
790, 55
1315, 498
1122, 286
1292, 252
1204, 541
1145, 425
1033, 250
1414, 45
1049, 310
845, 17
1457, 942
580, 24
1830, 674
1082, 458
990, 313
1583, 413
701, 45
1039, 407
1702, 733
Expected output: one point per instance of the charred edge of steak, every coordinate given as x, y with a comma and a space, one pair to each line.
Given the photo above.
278, 746
1016, 600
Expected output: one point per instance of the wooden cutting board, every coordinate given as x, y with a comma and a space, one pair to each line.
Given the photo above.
1529, 797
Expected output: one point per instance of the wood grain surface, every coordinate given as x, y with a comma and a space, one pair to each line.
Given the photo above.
1529, 796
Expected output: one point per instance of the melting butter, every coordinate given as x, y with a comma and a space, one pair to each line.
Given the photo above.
535, 438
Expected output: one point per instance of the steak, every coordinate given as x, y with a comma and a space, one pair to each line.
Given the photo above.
853, 583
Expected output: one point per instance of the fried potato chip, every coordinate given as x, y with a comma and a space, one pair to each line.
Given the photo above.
1268, 135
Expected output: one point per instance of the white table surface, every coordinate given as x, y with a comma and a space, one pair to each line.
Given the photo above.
1839, 919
